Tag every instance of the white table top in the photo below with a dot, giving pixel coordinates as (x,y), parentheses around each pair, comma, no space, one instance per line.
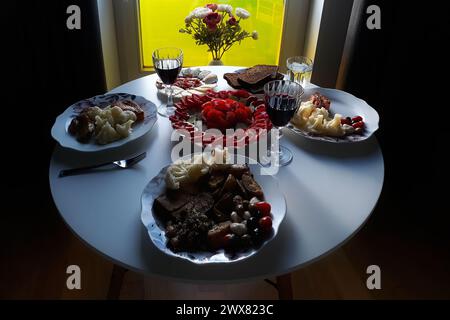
(330,192)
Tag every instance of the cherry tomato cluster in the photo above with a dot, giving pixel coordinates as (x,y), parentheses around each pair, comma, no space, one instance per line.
(222,110)
(256,227)
(356,122)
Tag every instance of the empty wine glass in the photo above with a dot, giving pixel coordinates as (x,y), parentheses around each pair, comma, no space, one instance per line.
(282,100)
(168,62)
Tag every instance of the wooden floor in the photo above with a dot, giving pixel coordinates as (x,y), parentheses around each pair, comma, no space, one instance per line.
(36,257)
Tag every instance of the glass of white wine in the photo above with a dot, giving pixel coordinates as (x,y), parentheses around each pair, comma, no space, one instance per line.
(300,70)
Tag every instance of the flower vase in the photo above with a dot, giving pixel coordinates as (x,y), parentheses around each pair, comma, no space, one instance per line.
(216,62)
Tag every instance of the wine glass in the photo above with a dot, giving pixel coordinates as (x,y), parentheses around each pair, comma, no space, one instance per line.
(300,70)
(282,100)
(168,62)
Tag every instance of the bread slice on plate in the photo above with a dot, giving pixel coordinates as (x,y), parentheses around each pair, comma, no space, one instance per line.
(232,79)
(256,75)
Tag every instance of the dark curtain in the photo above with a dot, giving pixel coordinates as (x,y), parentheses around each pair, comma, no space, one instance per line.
(48,68)
(45,68)
(401,70)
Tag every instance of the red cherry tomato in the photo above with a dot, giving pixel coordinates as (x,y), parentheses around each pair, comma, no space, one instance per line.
(357,119)
(265,224)
(359,124)
(346,121)
(240,93)
(264,208)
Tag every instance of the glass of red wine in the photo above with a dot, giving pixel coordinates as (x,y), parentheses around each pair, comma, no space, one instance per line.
(168,62)
(282,99)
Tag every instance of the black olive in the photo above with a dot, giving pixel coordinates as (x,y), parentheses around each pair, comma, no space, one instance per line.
(257,214)
(256,235)
(252,223)
(349,119)
(232,241)
(246,240)
(245,203)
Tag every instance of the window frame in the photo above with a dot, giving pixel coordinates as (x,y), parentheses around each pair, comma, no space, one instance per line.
(126,14)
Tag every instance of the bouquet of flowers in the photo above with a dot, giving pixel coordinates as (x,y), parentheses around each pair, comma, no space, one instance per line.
(216,26)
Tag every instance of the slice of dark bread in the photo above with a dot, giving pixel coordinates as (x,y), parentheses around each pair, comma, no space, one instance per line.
(256,75)
(260,87)
(232,79)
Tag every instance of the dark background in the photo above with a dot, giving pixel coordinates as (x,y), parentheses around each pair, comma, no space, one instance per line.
(400,70)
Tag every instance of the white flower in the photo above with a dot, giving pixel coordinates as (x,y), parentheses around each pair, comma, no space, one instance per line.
(255,35)
(224,8)
(242,13)
(201,12)
(189,18)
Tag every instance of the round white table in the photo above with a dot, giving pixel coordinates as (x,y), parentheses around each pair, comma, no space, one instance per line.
(330,191)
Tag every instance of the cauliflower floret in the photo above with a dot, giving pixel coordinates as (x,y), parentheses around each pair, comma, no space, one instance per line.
(120,116)
(106,134)
(176,174)
(93,112)
(124,130)
(189,171)
(99,123)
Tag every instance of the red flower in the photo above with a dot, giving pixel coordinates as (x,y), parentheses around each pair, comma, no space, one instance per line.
(212,6)
(232,21)
(211,20)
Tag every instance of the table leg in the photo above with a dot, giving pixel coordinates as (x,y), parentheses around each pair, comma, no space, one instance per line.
(284,287)
(115,284)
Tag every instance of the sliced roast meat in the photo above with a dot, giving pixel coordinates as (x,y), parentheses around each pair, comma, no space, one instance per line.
(217,235)
(251,185)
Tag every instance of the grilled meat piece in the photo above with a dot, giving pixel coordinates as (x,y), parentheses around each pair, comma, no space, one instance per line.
(251,185)
(223,207)
(237,170)
(217,234)
(320,101)
(128,105)
(171,204)
(216,181)
(82,128)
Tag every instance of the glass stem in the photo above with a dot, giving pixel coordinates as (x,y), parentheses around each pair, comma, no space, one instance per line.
(280,135)
(279,151)
(170,97)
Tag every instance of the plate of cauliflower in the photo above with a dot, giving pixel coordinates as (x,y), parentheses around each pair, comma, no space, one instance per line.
(104,122)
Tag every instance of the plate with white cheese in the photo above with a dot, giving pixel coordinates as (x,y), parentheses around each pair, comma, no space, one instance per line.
(335,116)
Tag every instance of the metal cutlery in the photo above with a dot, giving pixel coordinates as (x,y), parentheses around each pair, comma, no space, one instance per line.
(126,163)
